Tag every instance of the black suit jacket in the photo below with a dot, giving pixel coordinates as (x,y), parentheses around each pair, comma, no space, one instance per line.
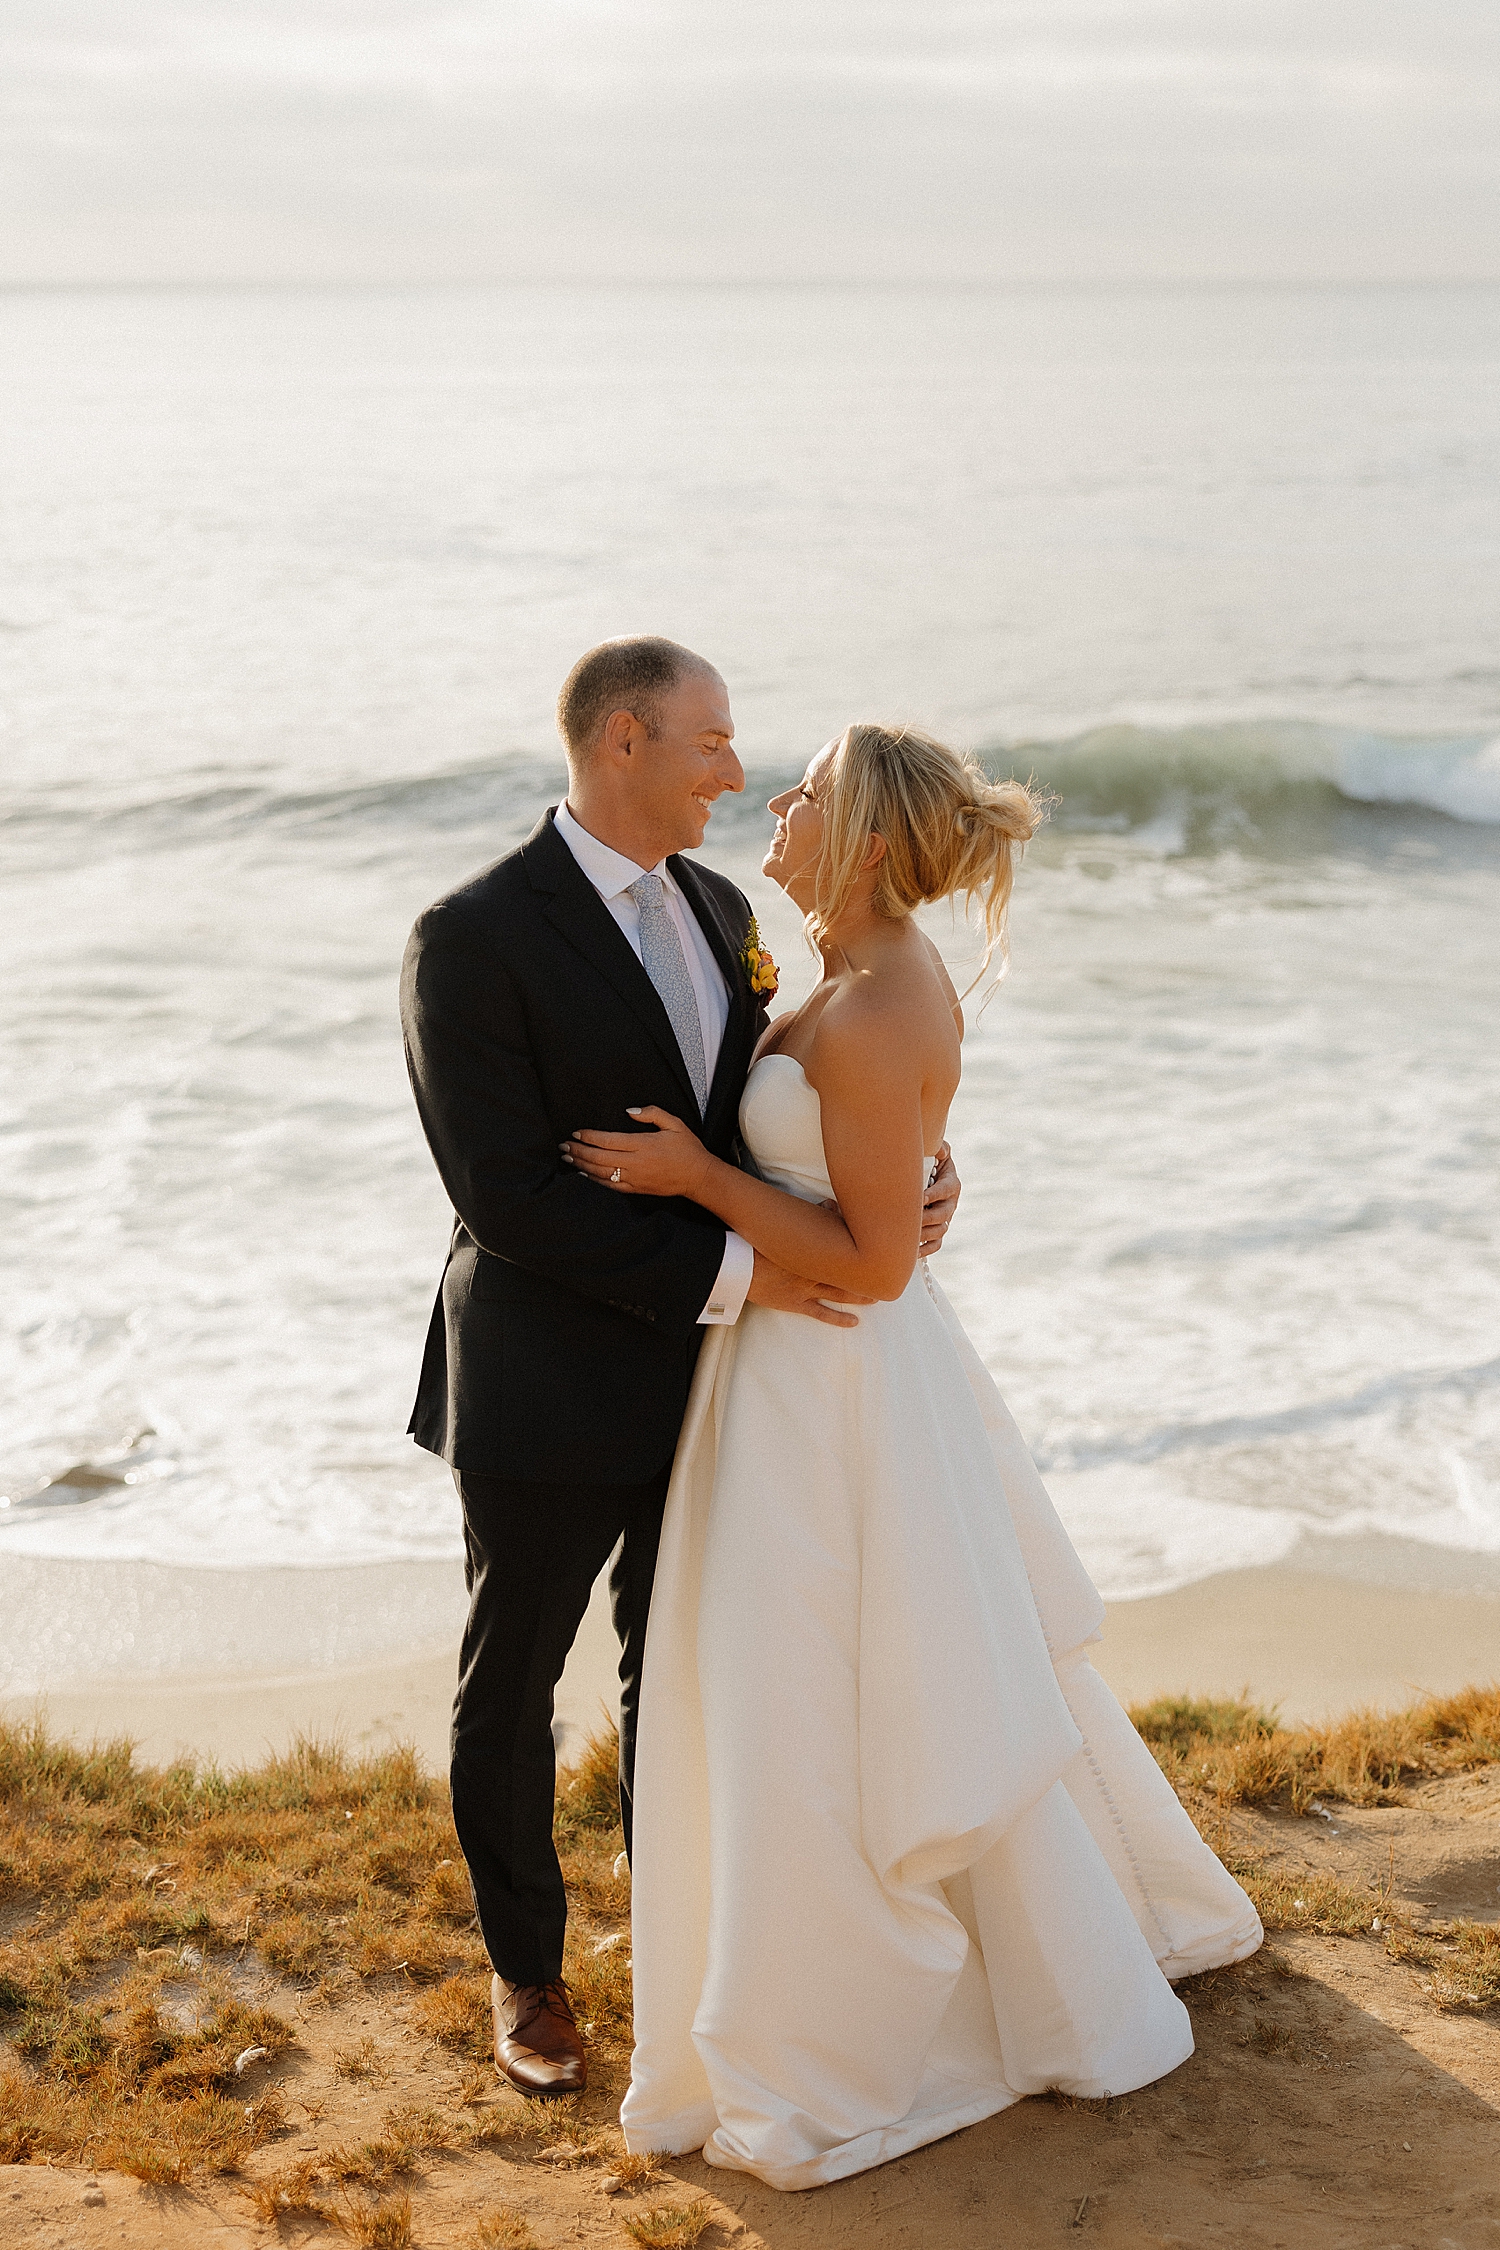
(565,1332)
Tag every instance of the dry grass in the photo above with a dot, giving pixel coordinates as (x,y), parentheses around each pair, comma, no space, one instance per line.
(598,1974)
(493,2126)
(670,2226)
(568,2137)
(384,2225)
(1222,1754)
(456,2013)
(632,2174)
(144,1909)
(131,2089)
(1307,1901)
(314,1861)
(142,1902)
(1464,1959)
(503,2229)
(588,1790)
(290,2192)
(1235,1753)
(347,2184)
(587,1827)
(361,2061)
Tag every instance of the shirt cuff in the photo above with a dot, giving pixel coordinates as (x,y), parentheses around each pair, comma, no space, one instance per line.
(726,1299)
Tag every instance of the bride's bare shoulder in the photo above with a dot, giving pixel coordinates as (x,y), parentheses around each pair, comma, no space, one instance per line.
(900,1020)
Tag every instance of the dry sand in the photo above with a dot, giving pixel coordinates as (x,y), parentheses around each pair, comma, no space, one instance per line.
(341,1623)
(1329,2106)
(1317,1645)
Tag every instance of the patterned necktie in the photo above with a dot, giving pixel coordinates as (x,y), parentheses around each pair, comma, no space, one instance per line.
(662,959)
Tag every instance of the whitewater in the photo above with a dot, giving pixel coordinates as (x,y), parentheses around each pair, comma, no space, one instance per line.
(286,588)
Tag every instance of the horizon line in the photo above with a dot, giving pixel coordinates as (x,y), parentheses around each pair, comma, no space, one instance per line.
(927,285)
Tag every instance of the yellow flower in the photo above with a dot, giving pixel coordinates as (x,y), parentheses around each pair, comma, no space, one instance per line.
(756,961)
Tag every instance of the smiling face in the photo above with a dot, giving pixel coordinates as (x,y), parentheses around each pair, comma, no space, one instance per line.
(797,845)
(678,773)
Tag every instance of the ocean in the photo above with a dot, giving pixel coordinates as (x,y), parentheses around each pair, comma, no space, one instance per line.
(288,584)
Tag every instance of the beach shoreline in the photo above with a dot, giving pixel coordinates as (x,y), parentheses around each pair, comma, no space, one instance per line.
(1309,1643)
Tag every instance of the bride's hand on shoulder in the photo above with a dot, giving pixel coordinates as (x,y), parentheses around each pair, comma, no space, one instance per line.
(670,1161)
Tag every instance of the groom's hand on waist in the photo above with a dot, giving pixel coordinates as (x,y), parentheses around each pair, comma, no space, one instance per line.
(788,1292)
(939,1204)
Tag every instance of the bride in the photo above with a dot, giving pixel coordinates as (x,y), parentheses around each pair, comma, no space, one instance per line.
(899,1856)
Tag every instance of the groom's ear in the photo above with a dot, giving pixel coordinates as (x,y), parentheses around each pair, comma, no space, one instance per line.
(620,736)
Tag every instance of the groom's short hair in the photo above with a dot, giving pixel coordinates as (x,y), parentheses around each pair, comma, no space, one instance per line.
(632,675)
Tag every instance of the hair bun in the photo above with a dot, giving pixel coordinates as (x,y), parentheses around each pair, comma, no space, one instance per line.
(948,829)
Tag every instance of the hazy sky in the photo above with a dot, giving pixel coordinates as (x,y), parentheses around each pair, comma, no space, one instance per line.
(375,139)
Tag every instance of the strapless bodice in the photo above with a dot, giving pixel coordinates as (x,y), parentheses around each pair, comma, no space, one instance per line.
(781,1123)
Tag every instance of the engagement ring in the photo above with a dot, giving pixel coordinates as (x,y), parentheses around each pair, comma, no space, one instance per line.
(614,1175)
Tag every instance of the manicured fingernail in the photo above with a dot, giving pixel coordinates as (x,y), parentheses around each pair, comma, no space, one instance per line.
(629,1112)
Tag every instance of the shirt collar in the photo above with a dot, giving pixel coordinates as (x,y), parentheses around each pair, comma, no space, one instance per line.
(609,871)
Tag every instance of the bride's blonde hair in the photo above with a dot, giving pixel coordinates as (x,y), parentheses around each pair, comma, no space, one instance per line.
(949,831)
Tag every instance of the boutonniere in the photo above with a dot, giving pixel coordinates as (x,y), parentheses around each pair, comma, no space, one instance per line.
(756,961)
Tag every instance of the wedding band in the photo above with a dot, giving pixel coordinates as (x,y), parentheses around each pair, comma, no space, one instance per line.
(614,1175)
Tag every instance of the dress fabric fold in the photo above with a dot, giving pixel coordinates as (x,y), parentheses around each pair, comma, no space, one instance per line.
(899,1856)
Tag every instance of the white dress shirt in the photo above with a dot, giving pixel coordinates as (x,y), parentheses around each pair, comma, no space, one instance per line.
(611,874)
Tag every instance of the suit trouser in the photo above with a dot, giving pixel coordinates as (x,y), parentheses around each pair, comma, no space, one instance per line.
(531,1555)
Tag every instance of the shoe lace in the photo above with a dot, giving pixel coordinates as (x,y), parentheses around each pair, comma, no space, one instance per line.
(551,1999)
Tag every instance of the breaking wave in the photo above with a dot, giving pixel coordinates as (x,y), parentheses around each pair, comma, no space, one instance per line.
(1270,781)
(1278,785)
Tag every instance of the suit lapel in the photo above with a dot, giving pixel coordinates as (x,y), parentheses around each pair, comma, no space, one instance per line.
(575,907)
(711,922)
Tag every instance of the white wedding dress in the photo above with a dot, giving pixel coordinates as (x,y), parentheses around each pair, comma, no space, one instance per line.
(899,1856)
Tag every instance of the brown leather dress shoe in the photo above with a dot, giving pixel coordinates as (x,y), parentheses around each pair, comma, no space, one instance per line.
(536,2039)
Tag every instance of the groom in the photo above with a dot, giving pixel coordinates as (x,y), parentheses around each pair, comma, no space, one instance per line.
(589,971)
